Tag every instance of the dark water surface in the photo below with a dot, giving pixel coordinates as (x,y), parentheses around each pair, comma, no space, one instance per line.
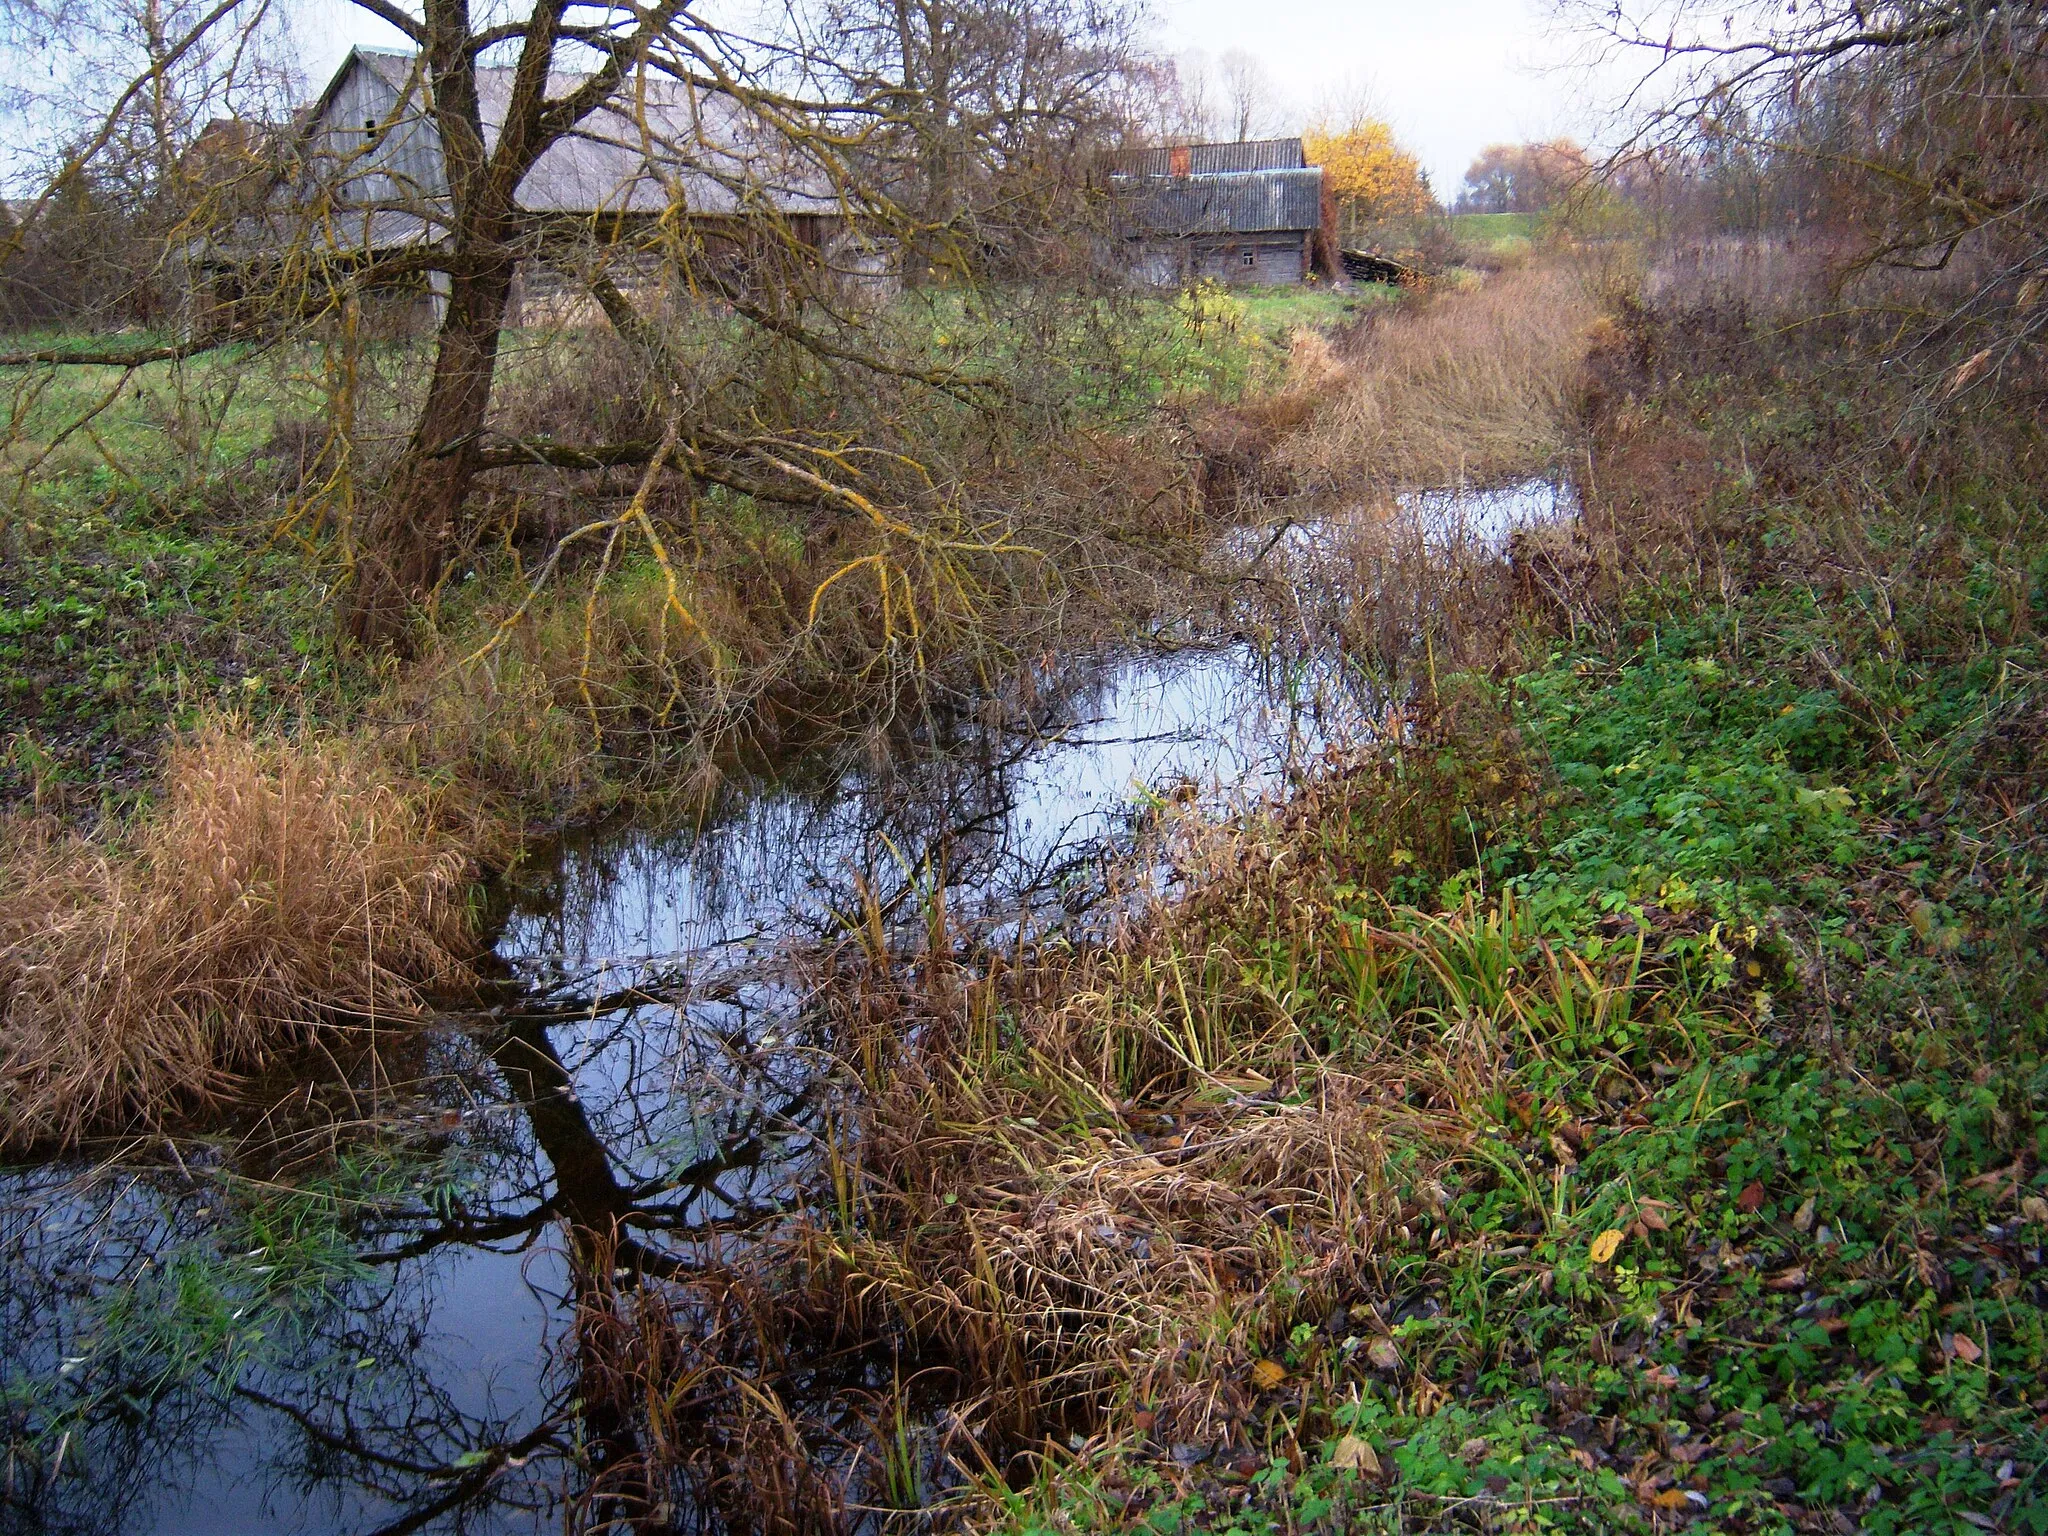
(275,1338)
(401,1328)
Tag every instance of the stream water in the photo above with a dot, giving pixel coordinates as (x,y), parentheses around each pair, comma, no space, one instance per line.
(279,1338)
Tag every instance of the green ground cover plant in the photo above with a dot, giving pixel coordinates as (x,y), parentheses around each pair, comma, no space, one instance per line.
(1497,234)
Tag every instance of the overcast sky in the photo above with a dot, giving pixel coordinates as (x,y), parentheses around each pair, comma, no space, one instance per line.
(1451,75)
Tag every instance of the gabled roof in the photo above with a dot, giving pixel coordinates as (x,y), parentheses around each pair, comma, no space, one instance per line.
(658,142)
(1233,203)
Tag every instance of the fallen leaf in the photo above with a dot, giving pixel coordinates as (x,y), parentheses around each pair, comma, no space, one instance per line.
(1268,1374)
(1751,1197)
(1606,1245)
(1356,1454)
(2009,1174)
(1426,1398)
(1384,1354)
(1651,1214)
(1690,1452)
(1964,1348)
(1473,1450)
(1144,1418)
(2034,1209)
(1584,1458)
(1787,1279)
(1240,1466)
(1802,1219)
(1982,1522)
(1670,1498)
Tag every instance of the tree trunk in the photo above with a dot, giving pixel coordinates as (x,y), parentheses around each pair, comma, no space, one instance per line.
(415,525)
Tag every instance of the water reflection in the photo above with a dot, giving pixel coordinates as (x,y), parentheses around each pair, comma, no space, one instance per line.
(412,1334)
(1008,809)
(402,1343)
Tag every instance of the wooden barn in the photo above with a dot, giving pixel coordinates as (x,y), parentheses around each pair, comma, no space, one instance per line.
(365,180)
(1250,212)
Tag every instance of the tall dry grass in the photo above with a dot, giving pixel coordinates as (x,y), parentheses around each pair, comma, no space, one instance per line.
(279,888)
(1477,384)
(1122,1176)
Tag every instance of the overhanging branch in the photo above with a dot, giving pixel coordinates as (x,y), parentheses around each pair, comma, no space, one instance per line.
(113,357)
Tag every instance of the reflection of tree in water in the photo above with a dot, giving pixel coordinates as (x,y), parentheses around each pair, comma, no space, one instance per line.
(593,1156)
(1011,800)
(322,1387)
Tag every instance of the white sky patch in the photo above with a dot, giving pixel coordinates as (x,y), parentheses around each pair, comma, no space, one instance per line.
(1452,76)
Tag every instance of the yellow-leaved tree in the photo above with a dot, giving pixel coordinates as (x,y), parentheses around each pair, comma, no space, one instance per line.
(1369,174)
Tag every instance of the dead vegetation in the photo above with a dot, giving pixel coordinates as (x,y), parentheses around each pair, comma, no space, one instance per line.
(1475,386)
(1123,1176)
(282,887)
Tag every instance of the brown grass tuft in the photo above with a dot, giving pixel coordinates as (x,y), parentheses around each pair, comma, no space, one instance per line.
(281,886)
(1123,1175)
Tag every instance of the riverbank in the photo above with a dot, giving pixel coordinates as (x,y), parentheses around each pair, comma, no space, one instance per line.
(177,696)
(420,1212)
(1615,1103)
(1595,1080)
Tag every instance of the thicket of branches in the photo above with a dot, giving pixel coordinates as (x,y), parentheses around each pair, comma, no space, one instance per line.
(941,141)
(1911,135)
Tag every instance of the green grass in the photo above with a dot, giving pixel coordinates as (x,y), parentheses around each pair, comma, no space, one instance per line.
(1497,226)
(1779,1340)
(1276,312)
(117,623)
(1497,234)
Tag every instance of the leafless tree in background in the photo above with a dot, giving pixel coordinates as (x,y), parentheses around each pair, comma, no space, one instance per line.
(1915,132)
(1196,99)
(1250,99)
(119,175)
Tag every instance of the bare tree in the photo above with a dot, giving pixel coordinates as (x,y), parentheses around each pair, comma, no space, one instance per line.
(1198,99)
(1916,130)
(1250,100)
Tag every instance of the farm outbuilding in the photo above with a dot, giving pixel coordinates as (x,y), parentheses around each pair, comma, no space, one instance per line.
(363,182)
(1249,212)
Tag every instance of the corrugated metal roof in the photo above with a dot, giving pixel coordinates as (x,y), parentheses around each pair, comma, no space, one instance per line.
(1214,159)
(1240,203)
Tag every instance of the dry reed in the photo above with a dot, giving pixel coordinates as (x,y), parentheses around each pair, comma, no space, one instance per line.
(279,887)
(1123,1176)
(1474,385)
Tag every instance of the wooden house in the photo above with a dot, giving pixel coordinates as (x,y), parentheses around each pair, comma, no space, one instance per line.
(1249,212)
(365,180)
